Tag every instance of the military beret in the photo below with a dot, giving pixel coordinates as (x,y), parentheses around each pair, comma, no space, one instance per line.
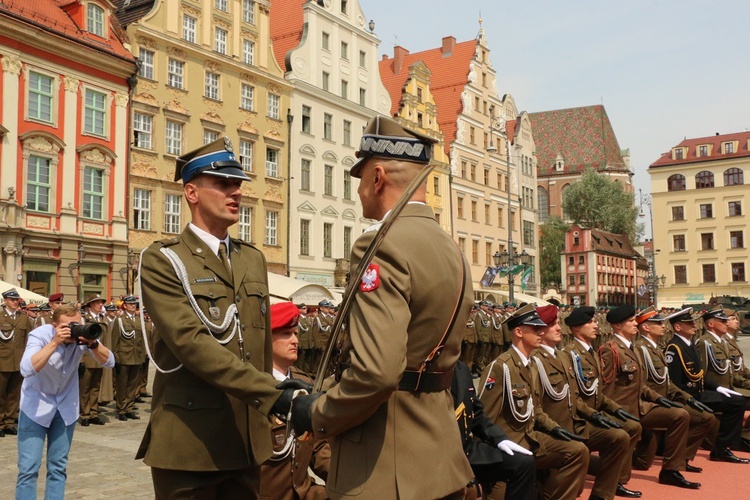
(524,316)
(649,314)
(284,315)
(301,306)
(512,304)
(11,294)
(686,315)
(215,158)
(385,138)
(94,298)
(580,316)
(56,297)
(548,314)
(715,313)
(620,314)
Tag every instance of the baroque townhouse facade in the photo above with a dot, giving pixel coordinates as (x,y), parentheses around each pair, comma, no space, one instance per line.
(330,55)
(206,70)
(64,116)
(699,200)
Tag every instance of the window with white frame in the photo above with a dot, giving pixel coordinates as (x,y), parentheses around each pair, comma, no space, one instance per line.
(40,97)
(347,241)
(142,130)
(172,205)
(327,239)
(344,5)
(347,133)
(93,193)
(325,41)
(327,126)
(38,184)
(212,86)
(175,73)
(325,82)
(209,136)
(245,225)
(221,5)
(304,237)
(272,162)
(328,180)
(247,97)
(188,28)
(306,117)
(347,185)
(248,11)
(95,20)
(220,40)
(173,135)
(142,209)
(248,52)
(344,51)
(344,89)
(362,97)
(273,106)
(272,220)
(246,155)
(362,59)
(146,58)
(305,175)
(95,113)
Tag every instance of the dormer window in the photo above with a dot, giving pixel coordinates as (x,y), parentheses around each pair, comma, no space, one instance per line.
(678,154)
(702,151)
(728,148)
(95,20)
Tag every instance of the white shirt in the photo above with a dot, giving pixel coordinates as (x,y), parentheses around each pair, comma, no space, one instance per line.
(524,359)
(585,346)
(549,349)
(718,339)
(626,342)
(280,376)
(653,344)
(210,240)
(685,339)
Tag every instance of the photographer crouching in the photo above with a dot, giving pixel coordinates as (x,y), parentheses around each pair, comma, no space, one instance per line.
(49,397)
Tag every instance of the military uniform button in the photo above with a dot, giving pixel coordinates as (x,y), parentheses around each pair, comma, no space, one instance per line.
(256,403)
(248,355)
(190,403)
(237,298)
(322,430)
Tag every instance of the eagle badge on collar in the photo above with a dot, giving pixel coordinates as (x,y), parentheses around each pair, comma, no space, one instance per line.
(370,279)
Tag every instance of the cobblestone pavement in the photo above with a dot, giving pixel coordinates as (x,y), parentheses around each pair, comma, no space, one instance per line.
(101,462)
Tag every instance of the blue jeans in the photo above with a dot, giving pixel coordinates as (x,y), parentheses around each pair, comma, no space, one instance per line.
(30,447)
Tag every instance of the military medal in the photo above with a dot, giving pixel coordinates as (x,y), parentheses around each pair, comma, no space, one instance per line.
(215,313)
(370,278)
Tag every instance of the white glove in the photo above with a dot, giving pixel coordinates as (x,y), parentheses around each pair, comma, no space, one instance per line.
(509,447)
(727,392)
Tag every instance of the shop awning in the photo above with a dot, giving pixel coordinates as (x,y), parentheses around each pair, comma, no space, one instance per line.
(28,296)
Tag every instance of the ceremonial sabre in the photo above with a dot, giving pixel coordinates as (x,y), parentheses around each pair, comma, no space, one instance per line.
(354,279)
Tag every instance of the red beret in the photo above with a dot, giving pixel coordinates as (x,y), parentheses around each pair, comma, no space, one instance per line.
(548,314)
(55,297)
(284,315)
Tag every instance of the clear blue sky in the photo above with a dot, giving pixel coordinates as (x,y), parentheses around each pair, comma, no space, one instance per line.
(664,69)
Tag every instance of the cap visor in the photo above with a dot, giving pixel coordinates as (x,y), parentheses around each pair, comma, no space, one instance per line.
(228,173)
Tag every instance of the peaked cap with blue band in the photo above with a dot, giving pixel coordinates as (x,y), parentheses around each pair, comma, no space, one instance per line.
(385,138)
(215,158)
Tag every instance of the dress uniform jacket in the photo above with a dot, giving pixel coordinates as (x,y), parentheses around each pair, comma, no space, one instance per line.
(469,344)
(740,373)
(715,360)
(128,351)
(305,332)
(483,322)
(588,367)
(285,476)
(386,442)
(211,414)
(14,330)
(322,330)
(88,360)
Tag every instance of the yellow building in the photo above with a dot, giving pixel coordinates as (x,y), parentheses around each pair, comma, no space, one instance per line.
(699,229)
(207,70)
(414,106)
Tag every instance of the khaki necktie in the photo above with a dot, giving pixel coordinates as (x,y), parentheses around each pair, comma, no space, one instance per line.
(224,258)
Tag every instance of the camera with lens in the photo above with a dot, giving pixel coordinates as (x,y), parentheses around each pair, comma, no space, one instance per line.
(89,331)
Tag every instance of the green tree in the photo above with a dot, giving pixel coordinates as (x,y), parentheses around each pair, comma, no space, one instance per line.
(552,244)
(597,202)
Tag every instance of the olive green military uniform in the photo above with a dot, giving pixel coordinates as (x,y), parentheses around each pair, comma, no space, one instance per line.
(143,376)
(212,392)
(483,326)
(89,383)
(127,346)
(14,330)
(715,360)
(321,332)
(497,340)
(469,344)
(306,352)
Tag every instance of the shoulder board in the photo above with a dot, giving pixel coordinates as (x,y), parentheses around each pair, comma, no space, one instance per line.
(168,241)
(238,241)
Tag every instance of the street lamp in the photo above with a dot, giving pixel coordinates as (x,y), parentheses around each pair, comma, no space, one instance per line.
(507,259)
(499,125)
(645,199)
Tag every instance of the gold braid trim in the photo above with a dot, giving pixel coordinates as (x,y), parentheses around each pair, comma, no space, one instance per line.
(693,377)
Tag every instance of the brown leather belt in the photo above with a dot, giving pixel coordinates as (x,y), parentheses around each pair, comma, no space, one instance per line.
(428,382)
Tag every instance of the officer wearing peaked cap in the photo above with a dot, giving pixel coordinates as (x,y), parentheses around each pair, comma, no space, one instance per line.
(207,295)
(127,346)
(90,380)
(396,321)
(14,330)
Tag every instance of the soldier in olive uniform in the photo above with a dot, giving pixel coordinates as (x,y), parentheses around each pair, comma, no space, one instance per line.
(304,332)
(483,326)
(107,387)
(702,421)
(469,344)
(321,331)
(510,392)
(127,345)
(208,297)
(390,419)
(740,372)
(285,475)
(14,330)
(497,340)
(89,383)
(625,381)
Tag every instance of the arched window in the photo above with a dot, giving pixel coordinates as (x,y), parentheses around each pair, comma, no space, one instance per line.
(733,177)
(704,180)
(676,182)
(543,203)
(95,20)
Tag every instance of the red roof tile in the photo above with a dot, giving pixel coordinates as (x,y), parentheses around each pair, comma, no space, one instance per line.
(584,136)
(510,130)
(450,73)
(49,16)
(286,28)
(133,11)
(716,152)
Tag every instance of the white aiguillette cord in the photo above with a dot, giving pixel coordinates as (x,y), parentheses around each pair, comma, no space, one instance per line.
(289,430)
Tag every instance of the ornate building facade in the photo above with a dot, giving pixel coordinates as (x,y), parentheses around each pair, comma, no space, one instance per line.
(64,117)
(330,56)
(206,70)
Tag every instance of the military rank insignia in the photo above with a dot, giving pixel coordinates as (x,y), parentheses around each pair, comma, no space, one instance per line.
(370,279)
(669,358)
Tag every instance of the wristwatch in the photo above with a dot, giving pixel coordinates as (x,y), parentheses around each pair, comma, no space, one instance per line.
(94,345)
